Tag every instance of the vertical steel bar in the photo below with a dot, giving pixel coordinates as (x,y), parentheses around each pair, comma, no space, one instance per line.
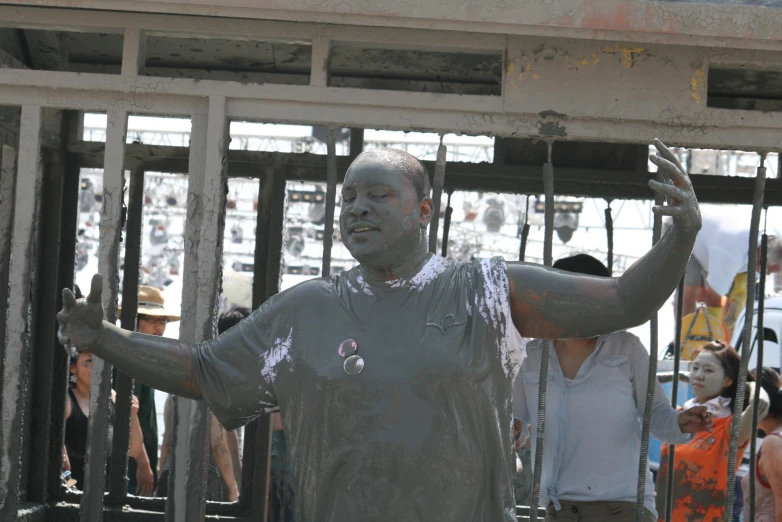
(524,234)
(437,194)
(753,446)
(118,483)
(262,442)
(609,238)
(677,357)
(548,188)
(356,142)
(651,377)
(108,266)
(447,224)
(757,206)
(18,315)
(331,202)
(183,408)
(7,185)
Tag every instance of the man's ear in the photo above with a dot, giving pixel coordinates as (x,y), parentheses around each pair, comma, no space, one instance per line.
(425,209)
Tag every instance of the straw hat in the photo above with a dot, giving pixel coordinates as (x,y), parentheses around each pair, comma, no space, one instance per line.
(151,302)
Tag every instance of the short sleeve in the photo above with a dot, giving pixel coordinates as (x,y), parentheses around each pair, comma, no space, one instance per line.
(236,371)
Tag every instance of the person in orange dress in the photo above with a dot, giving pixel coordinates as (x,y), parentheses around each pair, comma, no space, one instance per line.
(701,466)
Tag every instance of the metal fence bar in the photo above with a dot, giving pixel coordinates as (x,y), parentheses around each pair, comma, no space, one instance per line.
(262,443)
(609,238)
(108,266)
(757,206)
(331,201)
(753,446)
(437,194)
(677,357)
(7,197)
(19,330)
(118,483)
(548,183)
(48,382)
(651,378)
(180,444)
(524,234)
(447,224)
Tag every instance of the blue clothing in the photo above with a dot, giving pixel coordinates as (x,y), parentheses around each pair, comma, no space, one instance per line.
(593,433)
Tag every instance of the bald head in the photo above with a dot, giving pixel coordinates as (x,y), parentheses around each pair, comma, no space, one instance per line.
(408,165)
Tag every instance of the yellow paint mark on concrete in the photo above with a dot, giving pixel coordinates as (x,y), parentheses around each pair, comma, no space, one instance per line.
(511,67)
(535,76)
(697,84)
(527,68)
(628,54)
(595,59)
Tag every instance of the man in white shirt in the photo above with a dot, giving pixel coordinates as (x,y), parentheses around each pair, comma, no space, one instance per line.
(718,257)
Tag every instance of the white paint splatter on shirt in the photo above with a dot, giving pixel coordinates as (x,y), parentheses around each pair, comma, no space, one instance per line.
(280,351)
(364,286)
(428,273)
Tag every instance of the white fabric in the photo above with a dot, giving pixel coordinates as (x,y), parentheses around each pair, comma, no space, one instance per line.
(722,245)
(718,406)
(593,430)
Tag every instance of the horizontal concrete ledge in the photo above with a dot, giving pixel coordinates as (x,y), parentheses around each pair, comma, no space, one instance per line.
(654,21)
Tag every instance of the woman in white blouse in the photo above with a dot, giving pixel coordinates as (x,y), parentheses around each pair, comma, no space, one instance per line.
(595,397)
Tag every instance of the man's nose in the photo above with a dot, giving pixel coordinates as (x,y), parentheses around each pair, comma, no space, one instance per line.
(359,207)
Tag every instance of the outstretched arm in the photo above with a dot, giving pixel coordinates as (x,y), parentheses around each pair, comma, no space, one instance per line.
(163,364)
(550,304)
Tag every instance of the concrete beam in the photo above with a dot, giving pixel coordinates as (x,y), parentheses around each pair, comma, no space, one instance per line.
(572,18)
(134,52)
(46,49)
(674,110)
(19,330)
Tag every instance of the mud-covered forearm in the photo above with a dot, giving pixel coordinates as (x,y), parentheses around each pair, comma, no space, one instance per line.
(161,363)
(647,284)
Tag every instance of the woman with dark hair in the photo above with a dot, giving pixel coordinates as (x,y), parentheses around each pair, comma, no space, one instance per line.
(768,469)
(701,466)
(596,396)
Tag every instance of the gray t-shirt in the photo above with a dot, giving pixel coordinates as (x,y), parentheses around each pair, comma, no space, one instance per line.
(423,433)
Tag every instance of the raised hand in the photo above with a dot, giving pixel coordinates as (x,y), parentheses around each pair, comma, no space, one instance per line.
(674,183)
(81,320)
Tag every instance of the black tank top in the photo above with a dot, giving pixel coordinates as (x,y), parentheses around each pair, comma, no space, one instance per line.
(76,439)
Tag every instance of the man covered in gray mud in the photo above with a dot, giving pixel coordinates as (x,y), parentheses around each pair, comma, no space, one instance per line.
(394,378)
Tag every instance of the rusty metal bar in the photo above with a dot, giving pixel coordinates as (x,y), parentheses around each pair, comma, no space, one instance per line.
(331,202)
(757,206)
(262,442)
(7,197)
(18,335)
(56,265)
(437,194)
(524,234)
(356,142)
(753,445)
(609,238)
(548,182)
(180,443)
(651,376)
(447,224)
(118,483)
(677,357)
(108,261)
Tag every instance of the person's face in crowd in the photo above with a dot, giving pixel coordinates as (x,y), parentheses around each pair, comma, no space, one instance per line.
(152,324)
(382,219)
(82,368)
(707,377)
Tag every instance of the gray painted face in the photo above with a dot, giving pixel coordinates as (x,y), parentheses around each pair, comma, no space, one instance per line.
(382,221)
